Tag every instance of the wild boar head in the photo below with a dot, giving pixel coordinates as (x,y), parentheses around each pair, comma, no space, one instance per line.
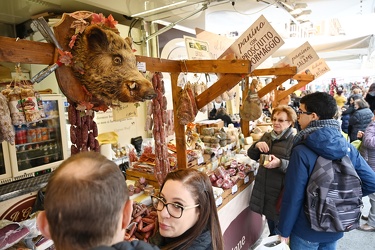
(106,65)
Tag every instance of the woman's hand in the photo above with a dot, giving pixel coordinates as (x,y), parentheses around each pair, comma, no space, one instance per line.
(360,134)
(282,239)
(262,146)
(273,163)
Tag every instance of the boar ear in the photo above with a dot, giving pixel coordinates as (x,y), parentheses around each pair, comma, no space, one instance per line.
(97,39)
(129,42)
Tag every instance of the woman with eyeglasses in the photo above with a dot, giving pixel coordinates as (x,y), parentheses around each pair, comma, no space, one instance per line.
(187,213)
(275,146)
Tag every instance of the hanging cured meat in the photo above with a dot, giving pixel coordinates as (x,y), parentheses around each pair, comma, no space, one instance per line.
(251,107)
(159,112)
(187,106)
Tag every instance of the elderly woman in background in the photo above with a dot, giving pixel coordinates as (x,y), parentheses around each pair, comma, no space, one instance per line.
(269,180)
(359,119)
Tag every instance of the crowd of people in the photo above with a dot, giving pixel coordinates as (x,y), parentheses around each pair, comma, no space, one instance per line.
(87,205)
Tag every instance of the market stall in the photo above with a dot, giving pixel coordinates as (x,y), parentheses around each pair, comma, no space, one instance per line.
(232,71)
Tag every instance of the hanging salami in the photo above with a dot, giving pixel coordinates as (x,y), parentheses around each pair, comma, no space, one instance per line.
(251,108)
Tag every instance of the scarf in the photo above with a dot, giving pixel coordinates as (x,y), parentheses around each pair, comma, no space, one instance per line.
(313,126)
(275,136)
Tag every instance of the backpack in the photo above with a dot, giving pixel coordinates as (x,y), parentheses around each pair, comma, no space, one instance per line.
(334,196)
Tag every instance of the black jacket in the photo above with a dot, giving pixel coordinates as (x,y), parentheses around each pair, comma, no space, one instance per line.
(269,182)
(370,98)
(202,242)
(125,245)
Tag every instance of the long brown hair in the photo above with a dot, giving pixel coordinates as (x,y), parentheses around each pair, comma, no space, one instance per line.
(84,200)
(200,187)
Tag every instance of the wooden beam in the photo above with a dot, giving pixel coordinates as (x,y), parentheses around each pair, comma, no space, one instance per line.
(273,85)
(225,82)
(25,51)
(295,87)
(286,71)
(178,128)
(216,66)
(160,65)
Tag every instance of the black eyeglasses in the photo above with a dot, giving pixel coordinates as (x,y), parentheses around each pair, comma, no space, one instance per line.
(279,120)
(300,112)
(175,210)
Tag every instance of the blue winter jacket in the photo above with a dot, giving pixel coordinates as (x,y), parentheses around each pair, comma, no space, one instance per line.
(329,143)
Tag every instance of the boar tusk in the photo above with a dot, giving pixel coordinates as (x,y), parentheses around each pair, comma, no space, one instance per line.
(133,85)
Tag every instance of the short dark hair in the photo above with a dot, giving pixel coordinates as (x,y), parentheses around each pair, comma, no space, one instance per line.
(83,207)
(199,185)
(320,103)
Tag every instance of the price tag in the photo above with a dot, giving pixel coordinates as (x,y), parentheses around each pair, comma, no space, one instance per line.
(200,160)
(215,164)
(220,151)
(219,201)
(141,66)
(247,179)
(234,189)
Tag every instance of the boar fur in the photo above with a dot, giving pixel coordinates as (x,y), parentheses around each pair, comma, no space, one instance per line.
(106,65)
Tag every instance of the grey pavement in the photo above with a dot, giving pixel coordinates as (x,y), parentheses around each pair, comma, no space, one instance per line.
(352,240)
(357,239)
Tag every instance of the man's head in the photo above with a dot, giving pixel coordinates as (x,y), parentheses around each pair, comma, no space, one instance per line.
(86,203)
(316,106)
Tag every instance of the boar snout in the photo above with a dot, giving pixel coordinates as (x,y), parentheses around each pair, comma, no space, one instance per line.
(150,95)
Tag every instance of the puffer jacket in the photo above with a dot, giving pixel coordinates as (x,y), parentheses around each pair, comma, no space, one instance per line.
(358,121)
(329,143)
(367,148)
(132,245)
(269,182)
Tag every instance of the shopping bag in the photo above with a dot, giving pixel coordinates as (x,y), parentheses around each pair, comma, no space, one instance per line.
(356,144)
(272,242)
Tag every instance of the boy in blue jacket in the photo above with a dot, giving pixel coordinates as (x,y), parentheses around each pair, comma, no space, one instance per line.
(322,137)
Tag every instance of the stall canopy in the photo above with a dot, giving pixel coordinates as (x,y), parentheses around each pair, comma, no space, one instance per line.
(335,48)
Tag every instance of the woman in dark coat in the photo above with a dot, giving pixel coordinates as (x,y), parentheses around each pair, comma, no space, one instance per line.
(370,97)
(269,180)
(345,115)
(359,119)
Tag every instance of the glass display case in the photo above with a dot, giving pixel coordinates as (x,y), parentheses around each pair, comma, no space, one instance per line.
(40,146)
(5,169)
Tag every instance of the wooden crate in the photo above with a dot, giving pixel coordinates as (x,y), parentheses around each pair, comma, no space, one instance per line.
(135,175)
(208,124)
(227,196)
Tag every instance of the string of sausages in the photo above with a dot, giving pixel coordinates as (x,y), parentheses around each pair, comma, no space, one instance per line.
(83,130)
(159,111)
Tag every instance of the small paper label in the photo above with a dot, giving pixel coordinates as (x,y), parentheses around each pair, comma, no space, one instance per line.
(234,189)
(141,66)
(200,160)
(219,201)
(247,179)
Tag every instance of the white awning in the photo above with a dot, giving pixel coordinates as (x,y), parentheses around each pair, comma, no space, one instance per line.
(335,48)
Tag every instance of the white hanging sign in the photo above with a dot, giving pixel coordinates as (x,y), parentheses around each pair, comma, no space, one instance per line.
(256,44)
(302,57)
